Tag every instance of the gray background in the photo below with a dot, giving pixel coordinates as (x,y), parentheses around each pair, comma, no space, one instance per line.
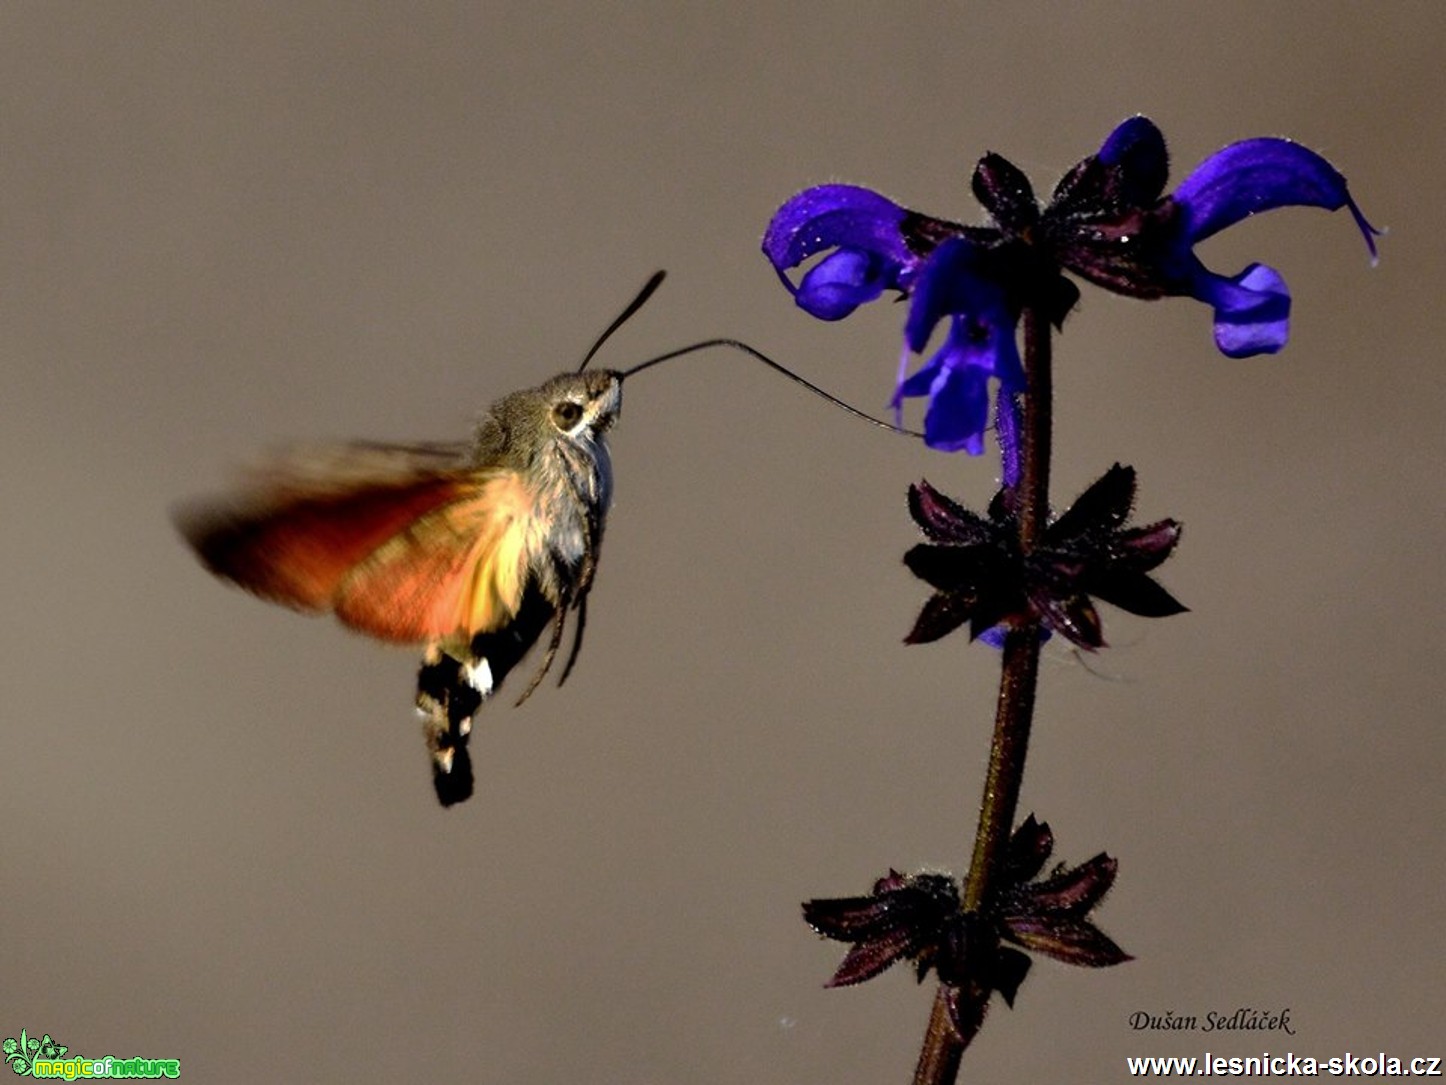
(228,227)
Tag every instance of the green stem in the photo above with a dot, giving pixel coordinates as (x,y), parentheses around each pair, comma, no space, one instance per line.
(943,1046)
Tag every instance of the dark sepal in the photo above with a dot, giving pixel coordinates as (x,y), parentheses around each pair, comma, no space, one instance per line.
(945,520)
(979,573)
(1130,175)
(1059,296)
(865,960)
(1010,968)
(1103,507)
(1073,617)
(1001,601)
(941,614)
(1072,941)
(905,917)
(960,568)
(1136,593)
(1029,849)
(1141,549)
(1088,552)
(1124,252)
(1052,916)
(1005,192)
(922,234)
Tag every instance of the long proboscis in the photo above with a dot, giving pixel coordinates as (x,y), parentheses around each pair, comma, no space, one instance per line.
(651,286)
(753,352)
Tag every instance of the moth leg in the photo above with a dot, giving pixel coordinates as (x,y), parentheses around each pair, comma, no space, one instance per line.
(592,547)
(592,531)
(577,629)
(449,692)
(559,620)
(499,651)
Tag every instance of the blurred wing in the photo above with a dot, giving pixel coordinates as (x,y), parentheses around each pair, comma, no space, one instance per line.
(402,542)
(457,571)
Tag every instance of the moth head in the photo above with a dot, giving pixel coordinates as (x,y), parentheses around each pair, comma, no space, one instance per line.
(575,408)
(581,406)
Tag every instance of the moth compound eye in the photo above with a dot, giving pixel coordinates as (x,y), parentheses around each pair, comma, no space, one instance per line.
(566,414)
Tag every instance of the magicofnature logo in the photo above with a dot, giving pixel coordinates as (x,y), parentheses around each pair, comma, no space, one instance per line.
(44,1058)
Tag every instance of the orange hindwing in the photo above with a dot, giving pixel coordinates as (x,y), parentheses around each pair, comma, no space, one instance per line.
(402,544)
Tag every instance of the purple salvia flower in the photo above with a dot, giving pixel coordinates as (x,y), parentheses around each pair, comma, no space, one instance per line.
(1252,309)
(865,230)
(1107,222)
(980,344)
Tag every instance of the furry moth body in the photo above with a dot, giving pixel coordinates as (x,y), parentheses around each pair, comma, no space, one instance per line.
(472,550)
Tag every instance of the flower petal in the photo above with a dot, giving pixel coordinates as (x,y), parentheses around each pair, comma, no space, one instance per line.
(995,634)
(955,282)
(1257,175)
(841,282)
(921,383)
(958,410)
(862,224)
(1252,310)
(980,344)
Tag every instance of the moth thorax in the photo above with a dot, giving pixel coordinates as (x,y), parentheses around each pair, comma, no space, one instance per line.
(573,486)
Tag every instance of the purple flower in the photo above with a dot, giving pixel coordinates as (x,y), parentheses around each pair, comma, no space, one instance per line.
(878,246)
(1107,222)
(864,229)
(956,284)
(1145,245)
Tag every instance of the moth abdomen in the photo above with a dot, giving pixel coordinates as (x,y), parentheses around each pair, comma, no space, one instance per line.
(451,690)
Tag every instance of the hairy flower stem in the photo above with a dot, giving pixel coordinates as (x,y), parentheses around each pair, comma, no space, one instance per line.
(943,1046)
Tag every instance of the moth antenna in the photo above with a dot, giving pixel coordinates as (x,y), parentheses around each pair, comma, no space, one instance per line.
(633,306)
(753,352)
